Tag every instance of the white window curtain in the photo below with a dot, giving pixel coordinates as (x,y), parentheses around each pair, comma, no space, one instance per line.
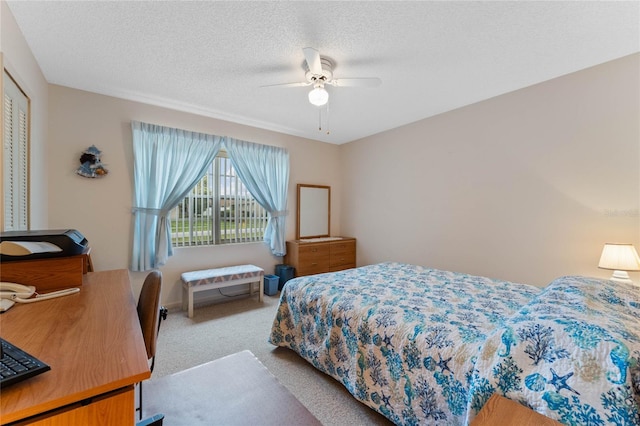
(167,164)
(264,170)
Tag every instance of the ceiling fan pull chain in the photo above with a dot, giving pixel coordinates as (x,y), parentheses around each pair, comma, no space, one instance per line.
(327,119)
(319,119)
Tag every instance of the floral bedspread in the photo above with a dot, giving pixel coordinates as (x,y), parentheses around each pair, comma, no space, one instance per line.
(571,354)
(424,346)
(401,338)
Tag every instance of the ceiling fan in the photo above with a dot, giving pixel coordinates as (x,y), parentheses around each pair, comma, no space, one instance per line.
(320,72)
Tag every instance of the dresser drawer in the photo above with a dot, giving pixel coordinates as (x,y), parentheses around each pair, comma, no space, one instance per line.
(343,253)
(313,259)
(342,267)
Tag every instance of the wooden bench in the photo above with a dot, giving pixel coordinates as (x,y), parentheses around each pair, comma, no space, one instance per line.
(207,279)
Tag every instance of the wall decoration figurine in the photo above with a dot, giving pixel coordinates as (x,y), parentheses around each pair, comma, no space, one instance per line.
(90,164)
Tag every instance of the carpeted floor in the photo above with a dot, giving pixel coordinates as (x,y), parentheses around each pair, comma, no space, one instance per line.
(233,326)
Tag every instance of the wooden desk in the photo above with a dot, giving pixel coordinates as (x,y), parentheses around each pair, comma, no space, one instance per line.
(92,341)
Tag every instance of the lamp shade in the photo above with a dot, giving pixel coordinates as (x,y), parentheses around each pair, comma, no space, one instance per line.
(318,96)
(619,257)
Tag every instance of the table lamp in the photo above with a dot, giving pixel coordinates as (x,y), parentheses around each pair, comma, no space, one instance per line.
(620,258)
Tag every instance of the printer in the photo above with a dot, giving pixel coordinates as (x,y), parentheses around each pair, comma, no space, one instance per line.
(70,241)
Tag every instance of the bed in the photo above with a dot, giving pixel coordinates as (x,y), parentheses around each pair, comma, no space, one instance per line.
(424,346)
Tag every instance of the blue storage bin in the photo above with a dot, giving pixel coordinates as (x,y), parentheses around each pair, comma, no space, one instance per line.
(271,284)
(285,273)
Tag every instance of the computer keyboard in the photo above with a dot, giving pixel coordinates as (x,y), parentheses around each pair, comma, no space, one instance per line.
(16,365)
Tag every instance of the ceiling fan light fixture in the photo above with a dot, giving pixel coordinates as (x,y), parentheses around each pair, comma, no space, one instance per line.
(318,96)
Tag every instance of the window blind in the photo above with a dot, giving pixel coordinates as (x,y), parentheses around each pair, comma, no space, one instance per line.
(15,157)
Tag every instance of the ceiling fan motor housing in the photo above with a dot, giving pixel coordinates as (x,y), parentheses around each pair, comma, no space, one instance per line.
(327,72)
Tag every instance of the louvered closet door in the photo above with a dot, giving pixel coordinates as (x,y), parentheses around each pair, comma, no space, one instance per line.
(15,156)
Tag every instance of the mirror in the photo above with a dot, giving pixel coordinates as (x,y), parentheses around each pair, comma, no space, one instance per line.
(314,211)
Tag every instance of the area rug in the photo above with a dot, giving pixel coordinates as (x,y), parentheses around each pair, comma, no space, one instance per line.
(234,390)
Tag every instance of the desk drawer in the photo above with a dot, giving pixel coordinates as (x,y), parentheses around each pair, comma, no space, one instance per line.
(45,274)
(114,408)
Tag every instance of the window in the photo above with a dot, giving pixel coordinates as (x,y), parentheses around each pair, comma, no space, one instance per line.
(169,163)
(218,210)
(15,174)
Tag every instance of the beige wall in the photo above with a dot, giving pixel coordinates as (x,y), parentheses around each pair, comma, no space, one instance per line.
(64,122)
(526,186)
(101,208)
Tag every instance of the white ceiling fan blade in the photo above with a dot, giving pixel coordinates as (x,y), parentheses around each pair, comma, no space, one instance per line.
(312,56)
(356,82)
(300,84)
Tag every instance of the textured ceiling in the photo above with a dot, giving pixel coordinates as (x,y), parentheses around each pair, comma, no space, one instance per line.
(212,57)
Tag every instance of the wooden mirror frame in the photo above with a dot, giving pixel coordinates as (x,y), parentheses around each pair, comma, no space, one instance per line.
(311,221)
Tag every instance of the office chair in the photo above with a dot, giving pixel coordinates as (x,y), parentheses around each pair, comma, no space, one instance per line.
(150,314)
(152,421)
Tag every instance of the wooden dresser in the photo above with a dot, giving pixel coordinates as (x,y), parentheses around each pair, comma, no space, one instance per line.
(316,257)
